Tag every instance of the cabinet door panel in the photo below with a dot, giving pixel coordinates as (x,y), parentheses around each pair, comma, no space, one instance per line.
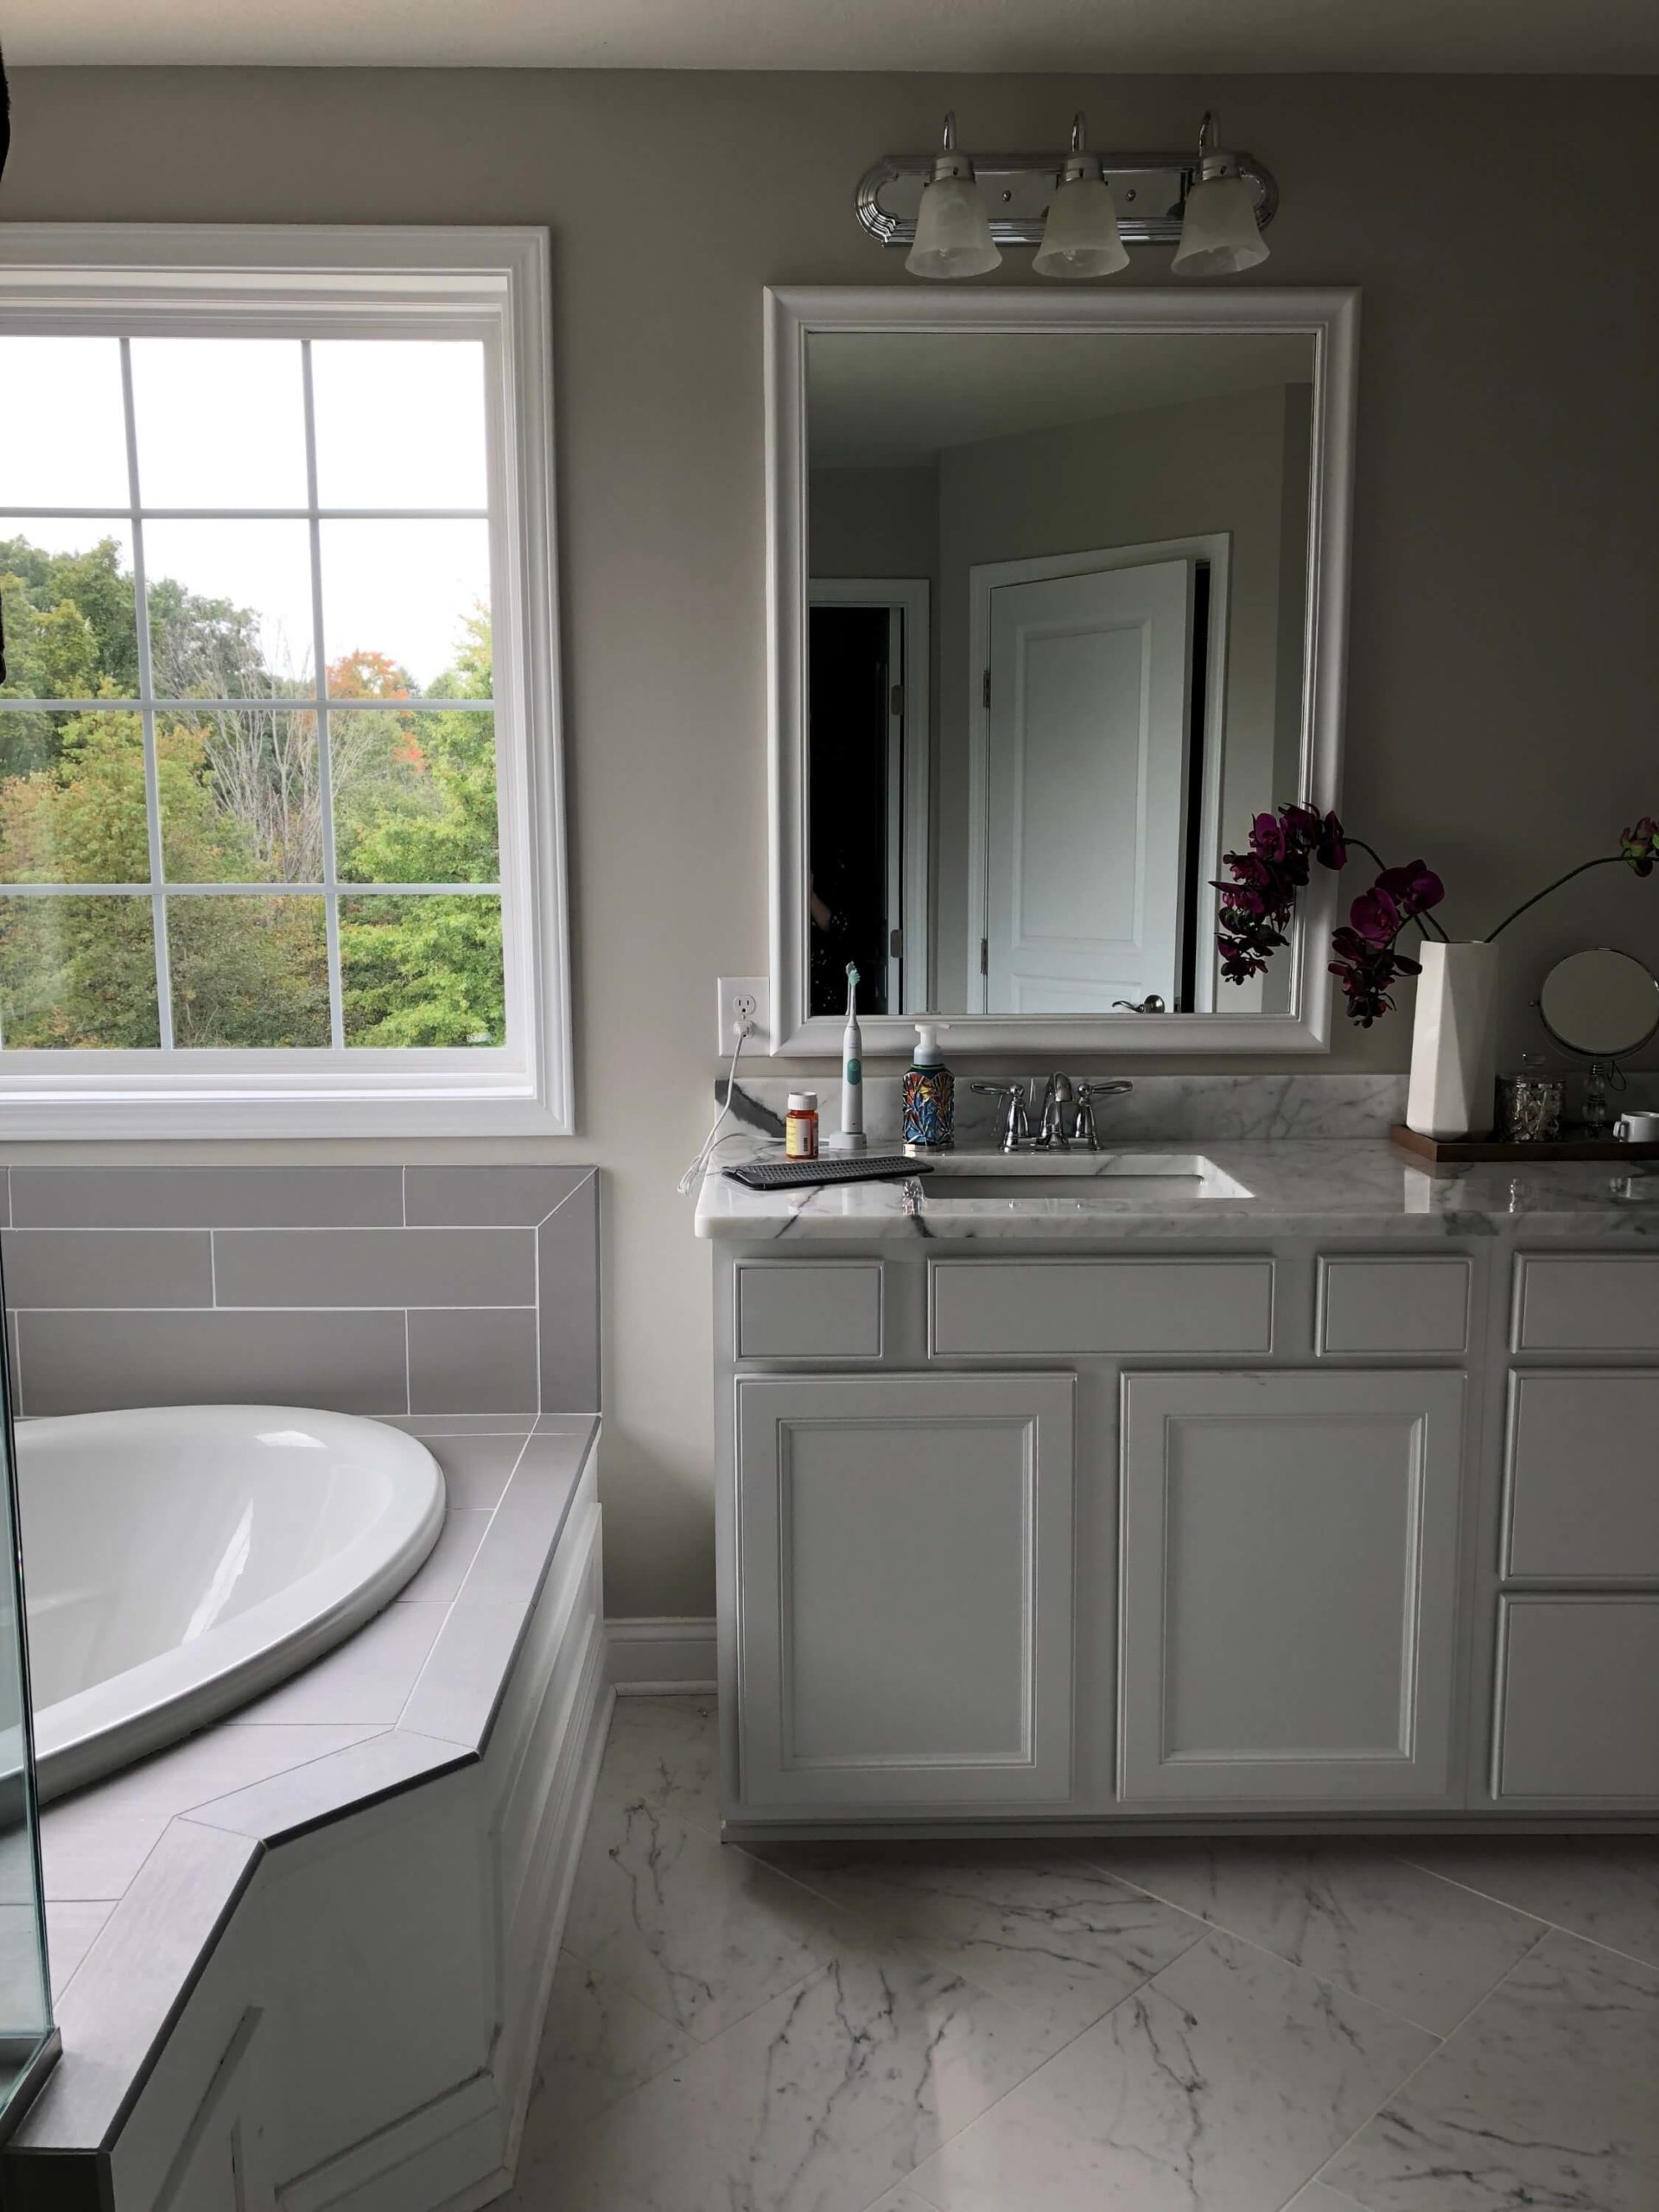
(1289,1586)
(905,1590)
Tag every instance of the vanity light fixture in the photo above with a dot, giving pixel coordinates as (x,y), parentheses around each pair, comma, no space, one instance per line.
(956,213)
(1219,235)
(953,233)
(1081,237)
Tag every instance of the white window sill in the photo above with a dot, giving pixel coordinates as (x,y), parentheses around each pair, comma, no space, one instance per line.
(109,1105)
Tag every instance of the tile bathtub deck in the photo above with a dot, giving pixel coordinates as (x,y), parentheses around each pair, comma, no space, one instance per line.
(1226,2027)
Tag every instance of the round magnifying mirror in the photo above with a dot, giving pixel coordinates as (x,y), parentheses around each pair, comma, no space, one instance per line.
(1602,1003)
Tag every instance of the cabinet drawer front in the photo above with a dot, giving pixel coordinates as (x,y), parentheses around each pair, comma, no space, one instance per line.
(1586,1304)
(1577,1713)
(1059,1307)
(793,1309)
(1582,1489)
(1393,1305)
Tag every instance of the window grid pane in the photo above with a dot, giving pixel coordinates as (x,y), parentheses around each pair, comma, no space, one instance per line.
(146,692)
(316,705)
(325,770)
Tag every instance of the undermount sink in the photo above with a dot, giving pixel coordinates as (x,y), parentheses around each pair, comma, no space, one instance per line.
(1082,1180)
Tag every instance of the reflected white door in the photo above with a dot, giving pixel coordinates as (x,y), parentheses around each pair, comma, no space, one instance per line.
(1085,789)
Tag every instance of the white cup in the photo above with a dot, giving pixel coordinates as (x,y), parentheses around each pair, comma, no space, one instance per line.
(1638,1128)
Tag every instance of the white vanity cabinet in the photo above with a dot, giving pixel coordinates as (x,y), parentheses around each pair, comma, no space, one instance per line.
(1088,1535)
(904,1636)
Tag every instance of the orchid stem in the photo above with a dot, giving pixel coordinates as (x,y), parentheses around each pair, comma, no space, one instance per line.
(1602,860)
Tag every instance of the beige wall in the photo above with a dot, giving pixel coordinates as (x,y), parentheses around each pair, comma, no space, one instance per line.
(1505,656)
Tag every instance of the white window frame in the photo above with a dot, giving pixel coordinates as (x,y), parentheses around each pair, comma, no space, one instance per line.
(132,279)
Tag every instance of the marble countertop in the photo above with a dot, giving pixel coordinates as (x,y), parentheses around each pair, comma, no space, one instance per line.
(1361,1186)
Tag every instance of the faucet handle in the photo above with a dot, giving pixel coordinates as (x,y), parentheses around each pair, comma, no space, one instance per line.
(1083,1131)
(1014,1098)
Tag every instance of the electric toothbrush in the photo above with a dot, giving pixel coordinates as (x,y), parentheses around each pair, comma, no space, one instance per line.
(850,1137)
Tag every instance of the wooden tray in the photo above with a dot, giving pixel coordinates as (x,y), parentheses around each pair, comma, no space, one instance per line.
(1471,1151)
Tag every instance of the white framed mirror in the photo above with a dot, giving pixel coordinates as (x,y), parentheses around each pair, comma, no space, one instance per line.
(1057,591)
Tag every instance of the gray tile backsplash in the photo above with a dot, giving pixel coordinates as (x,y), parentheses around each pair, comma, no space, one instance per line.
(77,1363)
(420,1294)
(568,1249)
(375,1267)
(206,1198)
(463,1361)
(109,1267)
(481,1197)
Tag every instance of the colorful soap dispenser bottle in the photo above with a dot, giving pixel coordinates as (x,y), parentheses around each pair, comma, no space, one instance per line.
(929,1095)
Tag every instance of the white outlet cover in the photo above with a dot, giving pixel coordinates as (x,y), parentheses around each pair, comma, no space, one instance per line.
(732,987)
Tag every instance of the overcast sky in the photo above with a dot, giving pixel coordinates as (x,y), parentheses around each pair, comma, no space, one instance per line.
(220,422)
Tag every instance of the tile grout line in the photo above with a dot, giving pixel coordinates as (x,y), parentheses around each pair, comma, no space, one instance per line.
(1203,1928)
(1326,1982)
(1550,1927)
(1427,2059)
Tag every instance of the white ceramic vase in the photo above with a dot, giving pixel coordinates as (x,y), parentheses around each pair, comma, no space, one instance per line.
(1454,1043)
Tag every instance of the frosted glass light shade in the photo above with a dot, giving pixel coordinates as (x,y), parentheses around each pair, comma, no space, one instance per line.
(1080,238)
(953,233)
(1218,231)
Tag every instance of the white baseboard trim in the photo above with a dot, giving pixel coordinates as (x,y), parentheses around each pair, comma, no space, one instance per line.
(664,1656)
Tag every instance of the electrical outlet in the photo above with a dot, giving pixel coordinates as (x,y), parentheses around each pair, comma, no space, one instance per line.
(743,998)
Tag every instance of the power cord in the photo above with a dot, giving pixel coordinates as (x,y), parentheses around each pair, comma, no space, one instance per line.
(693,1174)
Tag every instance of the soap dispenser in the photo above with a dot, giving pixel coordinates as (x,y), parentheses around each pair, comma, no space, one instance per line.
(929,1095)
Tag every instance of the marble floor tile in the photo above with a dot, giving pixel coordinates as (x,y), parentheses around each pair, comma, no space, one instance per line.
(598,2043)
(903,2199)
(1546,2095)
(663,1754)
(1044,1929)
(1222,2085)
(1316,2197)
(820,2102)
(1350,1914)
(1606,1890)
(697,1930)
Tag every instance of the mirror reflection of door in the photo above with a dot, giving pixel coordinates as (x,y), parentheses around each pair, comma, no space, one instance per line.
(866,825)
(1083,766)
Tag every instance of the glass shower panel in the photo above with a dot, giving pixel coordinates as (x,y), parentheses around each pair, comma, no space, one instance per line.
(28,2039)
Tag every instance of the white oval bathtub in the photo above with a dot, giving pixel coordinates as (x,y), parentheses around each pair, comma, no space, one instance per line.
(180,1559)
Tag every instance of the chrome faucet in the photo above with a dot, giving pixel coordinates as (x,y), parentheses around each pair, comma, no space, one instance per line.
(1057,1096)
(1016,1129)
(1057,1129)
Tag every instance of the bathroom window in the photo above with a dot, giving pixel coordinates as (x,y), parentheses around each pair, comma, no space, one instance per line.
(280,850)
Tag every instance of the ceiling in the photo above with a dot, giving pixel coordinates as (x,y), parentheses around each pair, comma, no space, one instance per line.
(1070,35)
(894,399)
